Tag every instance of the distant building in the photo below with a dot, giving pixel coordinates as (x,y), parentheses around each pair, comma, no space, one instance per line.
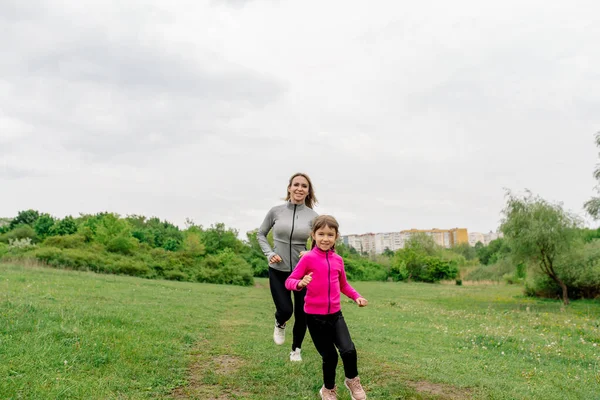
(484,238)
(476,237)
(376,243)
(443,237)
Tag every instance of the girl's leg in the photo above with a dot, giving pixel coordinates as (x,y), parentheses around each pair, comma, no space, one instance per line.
(299,320)
(281,296)
(346,347)
(321,332)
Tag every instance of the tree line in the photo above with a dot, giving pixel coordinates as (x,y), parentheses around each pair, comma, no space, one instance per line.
(154,248)
(545,247)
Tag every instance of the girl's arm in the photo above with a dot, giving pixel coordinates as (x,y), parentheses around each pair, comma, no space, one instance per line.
(345,287)
(291,283)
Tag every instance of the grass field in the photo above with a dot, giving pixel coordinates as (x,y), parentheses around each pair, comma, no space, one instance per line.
(77,335)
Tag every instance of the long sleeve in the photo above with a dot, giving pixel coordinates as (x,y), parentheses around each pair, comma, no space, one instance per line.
(291,283)
(345,287)
(262,233)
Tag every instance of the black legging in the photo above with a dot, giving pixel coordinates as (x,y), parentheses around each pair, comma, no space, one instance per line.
(328,332)
(284,307)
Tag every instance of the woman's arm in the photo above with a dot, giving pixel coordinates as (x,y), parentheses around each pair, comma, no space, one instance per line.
(262,233)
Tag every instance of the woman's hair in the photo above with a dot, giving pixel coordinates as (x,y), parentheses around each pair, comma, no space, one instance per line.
(311,200)
(324,221)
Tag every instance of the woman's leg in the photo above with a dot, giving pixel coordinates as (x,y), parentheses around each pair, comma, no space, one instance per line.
(299,320)
(281,296)
(321,332)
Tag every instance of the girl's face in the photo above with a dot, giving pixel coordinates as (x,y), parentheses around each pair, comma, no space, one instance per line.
(325,237)
(298,190)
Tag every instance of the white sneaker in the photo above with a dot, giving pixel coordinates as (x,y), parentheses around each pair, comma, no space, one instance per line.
(279,334)
(295,355)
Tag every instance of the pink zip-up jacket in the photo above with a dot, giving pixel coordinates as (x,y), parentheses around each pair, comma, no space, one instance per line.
(328,280)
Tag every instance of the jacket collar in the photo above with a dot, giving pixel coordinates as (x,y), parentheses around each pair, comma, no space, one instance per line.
(299,207)
(321,252)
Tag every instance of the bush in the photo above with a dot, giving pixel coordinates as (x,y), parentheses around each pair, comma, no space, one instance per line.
(434,270)
(65,242)
(20,243)
(361,269)
(128,266)
(77,259)
(3,249)
(20,232)
(176,275)
(258,263)
(494,272)
(398,271)
(225,267)
(172,245)
(122,244)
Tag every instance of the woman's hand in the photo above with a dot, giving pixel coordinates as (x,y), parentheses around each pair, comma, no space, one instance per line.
(305,281)
(362,302)
(302,253)
(275,259)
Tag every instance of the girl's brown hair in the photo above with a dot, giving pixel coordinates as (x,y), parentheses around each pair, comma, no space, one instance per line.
(311,200)
(324,221)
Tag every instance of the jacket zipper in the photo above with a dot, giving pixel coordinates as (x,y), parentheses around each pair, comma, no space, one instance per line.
(291,233)
(329,283)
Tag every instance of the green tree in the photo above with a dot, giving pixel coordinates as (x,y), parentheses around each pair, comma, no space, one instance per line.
(592,206)
(422,243)
(494,251)
(44,225)
(192,244)
(539,232)
(27,217)
(387,252)
(218,238)
(466,250)
(66,226)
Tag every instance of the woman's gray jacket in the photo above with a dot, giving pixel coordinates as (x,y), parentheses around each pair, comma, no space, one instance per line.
(291,224)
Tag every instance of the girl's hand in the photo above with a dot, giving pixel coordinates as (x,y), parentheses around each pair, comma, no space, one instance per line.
(302,253)
(305,281)
(362,302)
(275,259)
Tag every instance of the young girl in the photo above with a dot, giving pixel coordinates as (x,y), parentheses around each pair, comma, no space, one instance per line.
(321,272)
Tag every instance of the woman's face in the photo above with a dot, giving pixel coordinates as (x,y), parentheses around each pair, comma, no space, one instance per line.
(298,190)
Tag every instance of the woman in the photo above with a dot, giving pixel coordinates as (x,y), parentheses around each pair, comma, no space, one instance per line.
(291,224)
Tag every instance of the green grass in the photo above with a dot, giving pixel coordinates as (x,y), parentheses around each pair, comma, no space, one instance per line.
(78,335)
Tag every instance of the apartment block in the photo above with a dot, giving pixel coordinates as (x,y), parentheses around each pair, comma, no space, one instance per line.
(475,237)
(484,238)
(376,243)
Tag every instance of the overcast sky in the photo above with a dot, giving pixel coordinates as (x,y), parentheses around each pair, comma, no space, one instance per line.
(404,114)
